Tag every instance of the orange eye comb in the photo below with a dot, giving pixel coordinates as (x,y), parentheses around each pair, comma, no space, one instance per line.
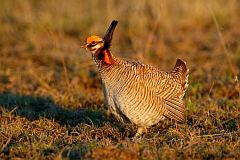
(92,39)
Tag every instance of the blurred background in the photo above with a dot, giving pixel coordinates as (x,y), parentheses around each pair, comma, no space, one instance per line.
(40,54)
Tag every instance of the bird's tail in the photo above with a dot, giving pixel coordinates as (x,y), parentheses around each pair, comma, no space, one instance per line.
(181,72)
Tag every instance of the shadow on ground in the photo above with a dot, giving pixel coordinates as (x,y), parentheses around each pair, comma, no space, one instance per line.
(33,108)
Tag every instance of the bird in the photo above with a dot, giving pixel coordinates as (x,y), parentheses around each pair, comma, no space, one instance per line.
(138,93)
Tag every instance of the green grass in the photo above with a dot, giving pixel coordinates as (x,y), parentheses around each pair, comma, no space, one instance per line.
(51,101)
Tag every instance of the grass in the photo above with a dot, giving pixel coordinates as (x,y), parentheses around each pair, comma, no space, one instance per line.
(51,102)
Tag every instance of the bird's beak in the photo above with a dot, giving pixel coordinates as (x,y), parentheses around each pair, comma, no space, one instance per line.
(84,46)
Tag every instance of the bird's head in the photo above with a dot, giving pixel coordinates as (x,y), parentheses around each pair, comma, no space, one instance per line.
(100,46)
(94,44)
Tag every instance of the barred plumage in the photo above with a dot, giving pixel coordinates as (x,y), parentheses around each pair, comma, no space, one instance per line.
(135,92)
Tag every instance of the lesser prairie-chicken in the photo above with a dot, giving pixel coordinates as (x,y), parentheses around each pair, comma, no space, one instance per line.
(135,92)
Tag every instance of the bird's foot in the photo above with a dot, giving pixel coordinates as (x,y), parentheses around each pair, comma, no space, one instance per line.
(140,132)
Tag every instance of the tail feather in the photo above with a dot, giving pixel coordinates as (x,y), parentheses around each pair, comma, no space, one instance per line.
(181,72)
(180,66)
(175,105)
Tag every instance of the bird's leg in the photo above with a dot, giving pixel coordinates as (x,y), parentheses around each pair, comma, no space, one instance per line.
(141,131)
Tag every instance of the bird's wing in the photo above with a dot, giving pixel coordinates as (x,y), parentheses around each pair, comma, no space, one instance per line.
(169,89)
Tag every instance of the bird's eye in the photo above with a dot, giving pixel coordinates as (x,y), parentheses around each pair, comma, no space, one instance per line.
(93,43)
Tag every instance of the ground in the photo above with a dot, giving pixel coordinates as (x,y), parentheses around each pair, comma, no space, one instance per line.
(51,101)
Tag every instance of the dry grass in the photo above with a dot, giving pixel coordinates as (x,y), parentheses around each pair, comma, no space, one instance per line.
(51,104)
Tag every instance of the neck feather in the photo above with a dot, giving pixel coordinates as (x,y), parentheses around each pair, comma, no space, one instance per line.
(103,57)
